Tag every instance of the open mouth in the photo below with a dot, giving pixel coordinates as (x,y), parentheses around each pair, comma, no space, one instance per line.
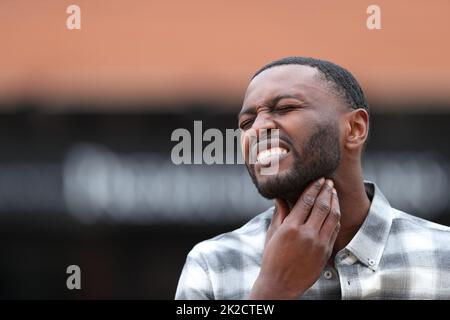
(270,155)
(269,151)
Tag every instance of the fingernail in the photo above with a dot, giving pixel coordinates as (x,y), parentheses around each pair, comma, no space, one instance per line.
(330,183)
(321,180)
(334,192)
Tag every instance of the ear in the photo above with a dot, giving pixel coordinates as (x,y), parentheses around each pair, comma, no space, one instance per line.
(357,129)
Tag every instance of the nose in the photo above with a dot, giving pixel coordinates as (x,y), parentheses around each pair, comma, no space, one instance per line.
(261,129)
(263,121)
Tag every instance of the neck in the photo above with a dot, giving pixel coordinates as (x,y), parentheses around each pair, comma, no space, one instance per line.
(354,205)
(353,202)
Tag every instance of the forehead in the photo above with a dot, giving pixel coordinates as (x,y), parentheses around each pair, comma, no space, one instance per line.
(293,79)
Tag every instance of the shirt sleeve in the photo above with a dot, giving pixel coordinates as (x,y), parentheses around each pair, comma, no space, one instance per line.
(194,282)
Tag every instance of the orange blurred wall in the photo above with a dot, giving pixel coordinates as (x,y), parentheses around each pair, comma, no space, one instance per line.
(208,49)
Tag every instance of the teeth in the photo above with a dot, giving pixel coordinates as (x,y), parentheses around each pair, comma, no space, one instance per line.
(263,156)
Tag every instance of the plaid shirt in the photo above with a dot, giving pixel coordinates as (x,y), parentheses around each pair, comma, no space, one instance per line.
(393,256)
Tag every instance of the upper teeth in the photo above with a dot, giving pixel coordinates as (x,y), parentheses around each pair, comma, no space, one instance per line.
(266,154)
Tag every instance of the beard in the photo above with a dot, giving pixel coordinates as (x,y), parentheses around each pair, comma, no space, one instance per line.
(319,157)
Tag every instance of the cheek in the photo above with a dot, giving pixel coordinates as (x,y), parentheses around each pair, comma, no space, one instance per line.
(248,139)
(297,130)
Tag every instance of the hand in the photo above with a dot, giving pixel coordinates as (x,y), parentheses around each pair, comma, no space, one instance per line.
(299,243)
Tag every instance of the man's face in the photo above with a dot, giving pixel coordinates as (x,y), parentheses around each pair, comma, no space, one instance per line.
(306,112)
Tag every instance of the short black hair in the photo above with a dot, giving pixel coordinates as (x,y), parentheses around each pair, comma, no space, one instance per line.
(341,80)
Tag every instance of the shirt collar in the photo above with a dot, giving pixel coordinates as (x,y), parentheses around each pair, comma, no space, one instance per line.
(369,242)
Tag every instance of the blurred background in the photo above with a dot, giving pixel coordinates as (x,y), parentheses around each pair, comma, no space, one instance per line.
(86,118)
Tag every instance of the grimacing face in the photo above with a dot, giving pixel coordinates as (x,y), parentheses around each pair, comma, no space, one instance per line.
(292,99)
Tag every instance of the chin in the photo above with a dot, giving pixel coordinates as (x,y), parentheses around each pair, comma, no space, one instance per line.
(281,185)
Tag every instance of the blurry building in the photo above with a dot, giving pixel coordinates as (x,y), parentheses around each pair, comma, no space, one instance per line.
(86,118)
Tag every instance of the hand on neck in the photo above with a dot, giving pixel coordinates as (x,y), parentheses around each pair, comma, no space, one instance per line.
(353,202)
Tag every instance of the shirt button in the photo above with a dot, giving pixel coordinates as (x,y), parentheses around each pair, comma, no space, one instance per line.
(328,275)
(371,262)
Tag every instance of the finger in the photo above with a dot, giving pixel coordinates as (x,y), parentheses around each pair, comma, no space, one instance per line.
(333,218)
(305,202)
(321,207)
(335,234)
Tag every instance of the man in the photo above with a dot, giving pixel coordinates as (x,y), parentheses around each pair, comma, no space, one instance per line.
(330,235)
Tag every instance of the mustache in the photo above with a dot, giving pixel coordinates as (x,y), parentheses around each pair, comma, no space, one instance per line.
(254,148)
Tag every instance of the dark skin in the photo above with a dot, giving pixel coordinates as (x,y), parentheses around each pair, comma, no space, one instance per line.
(307,231)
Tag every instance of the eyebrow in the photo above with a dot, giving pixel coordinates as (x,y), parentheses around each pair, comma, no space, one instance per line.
(272,102)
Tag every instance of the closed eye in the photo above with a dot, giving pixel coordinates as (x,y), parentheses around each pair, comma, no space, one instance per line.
(285,108)
(245,124)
